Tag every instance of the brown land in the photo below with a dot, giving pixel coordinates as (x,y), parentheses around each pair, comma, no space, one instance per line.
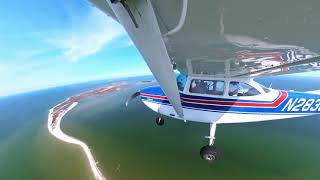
(62,107)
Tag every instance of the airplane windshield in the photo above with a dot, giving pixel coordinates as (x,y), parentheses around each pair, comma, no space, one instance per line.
(181,81)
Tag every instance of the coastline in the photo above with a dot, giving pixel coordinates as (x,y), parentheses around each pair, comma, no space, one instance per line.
(58,133)
(60,110)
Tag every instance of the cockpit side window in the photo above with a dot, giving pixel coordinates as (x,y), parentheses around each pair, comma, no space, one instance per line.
(181,81)
(242,89)
(211,87)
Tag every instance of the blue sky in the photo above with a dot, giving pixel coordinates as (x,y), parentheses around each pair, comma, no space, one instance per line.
(55,42)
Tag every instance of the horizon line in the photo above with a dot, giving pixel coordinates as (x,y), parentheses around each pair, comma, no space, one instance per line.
(70,83)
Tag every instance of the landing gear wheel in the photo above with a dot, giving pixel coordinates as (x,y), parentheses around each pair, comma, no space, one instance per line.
(159,121)
(209,153)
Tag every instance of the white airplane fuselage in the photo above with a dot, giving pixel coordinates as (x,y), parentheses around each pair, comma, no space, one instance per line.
(218,109)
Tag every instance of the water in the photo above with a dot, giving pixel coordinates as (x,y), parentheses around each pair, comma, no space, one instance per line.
(27,150)
(128,144)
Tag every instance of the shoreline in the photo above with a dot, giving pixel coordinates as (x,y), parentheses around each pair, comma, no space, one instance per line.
(58,133)
(60,110)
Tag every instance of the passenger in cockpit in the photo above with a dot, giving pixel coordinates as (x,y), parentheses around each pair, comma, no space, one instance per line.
(234,88)
(197,86)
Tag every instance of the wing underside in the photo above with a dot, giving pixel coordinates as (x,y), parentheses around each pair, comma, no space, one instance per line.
(222,38)
(228,38)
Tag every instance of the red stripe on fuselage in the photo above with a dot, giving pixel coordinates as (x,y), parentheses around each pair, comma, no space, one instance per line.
(275,103)
(153,96)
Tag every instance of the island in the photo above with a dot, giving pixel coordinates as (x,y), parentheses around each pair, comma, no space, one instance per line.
(57,112)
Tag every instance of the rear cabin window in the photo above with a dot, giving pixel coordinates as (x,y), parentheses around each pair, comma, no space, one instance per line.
(181,81)
(242,89)
(211,87)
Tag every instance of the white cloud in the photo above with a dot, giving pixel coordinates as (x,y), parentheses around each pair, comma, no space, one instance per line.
(87,35)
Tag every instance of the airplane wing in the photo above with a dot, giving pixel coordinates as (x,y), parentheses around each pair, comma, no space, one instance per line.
(220,38)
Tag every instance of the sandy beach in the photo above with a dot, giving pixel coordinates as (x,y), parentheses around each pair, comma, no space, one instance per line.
(56,114)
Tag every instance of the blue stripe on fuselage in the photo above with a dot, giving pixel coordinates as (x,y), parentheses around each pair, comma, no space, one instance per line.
(293,100)
(156,90)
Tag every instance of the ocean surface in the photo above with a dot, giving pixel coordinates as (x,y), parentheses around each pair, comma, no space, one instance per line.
(128,145)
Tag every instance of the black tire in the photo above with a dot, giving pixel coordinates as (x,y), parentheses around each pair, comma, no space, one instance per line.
(209,153)
(159,121)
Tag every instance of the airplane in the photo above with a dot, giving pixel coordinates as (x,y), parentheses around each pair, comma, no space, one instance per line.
(205,55)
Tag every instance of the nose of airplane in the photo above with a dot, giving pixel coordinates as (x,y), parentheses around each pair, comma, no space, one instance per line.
(153,90)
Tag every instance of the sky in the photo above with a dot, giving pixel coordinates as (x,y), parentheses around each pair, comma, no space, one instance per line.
(49,43)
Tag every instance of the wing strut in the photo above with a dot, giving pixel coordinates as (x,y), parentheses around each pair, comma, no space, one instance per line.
(148,39)
(127,7)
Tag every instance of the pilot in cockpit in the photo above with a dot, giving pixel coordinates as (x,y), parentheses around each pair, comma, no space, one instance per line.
(234,88)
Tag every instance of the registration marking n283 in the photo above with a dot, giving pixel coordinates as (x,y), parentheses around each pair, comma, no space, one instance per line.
(302,104)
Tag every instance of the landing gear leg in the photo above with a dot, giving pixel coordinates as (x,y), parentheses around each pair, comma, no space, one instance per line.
(212,137)
(209,152)
(159,121)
